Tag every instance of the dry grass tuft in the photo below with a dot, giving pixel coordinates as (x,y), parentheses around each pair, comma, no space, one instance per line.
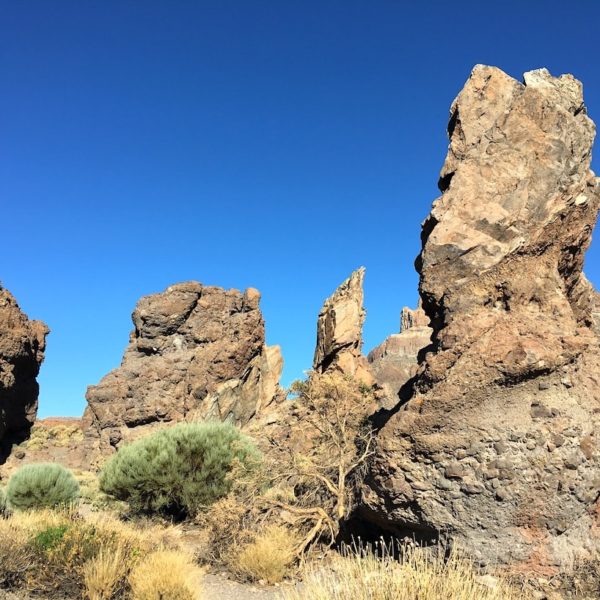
(165,574)
(361,575)
(268,557)
(105,573)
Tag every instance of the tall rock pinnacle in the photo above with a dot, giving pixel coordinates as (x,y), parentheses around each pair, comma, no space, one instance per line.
(497,449)
(339,331)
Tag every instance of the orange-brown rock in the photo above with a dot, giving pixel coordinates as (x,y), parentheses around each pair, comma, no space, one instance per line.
(339,331)
(395,361)
(195,352)
(22,345)
(497,448)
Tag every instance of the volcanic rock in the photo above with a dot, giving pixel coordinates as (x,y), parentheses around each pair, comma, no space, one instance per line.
(339,331)
(22,345)
(395,361)
(195,352)
(515,361)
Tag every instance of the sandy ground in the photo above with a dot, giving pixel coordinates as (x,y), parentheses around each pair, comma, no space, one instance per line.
(216,587)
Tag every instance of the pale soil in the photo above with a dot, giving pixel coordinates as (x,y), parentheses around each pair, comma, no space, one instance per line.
(216,587)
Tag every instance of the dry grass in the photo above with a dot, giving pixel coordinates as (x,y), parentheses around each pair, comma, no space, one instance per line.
(361,575)
(15,554)
(144,535)
(268,557)
(43,436)
(105,573)
(165,574)
(46,551)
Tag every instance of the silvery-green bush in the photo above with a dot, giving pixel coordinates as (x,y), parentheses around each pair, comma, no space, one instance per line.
(179,470)
(42,485)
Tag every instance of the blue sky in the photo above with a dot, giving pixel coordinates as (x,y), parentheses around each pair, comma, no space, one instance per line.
(274,144)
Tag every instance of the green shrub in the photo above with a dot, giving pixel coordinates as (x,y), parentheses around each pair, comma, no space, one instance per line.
(50,537)
(42,486)
(179,470)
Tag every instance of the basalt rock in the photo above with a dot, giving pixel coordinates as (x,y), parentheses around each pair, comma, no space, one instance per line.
(339,331)
(496,450)
(195,352)
(395,361)
(22,345)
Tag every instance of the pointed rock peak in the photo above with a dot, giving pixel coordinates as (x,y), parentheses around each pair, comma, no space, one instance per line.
(339,327)
(410,318)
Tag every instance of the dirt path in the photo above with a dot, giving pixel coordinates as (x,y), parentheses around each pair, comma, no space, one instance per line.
(216,587)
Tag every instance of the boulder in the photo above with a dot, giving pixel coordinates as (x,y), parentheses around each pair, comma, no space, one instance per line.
(22,345)
(196,352)
(496,448)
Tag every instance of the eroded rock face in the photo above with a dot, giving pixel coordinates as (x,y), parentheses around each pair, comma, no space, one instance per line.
(497,449)
(339,331)
(195,352)
(395,361)
(22,345)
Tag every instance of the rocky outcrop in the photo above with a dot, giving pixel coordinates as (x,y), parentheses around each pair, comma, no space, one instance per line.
(22,345)
(497,448)
(339,331)
(195,352)
(395,361)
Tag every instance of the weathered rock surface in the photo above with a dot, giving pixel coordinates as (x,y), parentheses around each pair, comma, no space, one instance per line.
(395,361)
(22,345)
(339,331)
(195,352)
(497,448)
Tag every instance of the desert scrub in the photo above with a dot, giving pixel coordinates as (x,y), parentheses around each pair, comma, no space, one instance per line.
(62,436)
(42,486)
(16,554)
(178,471)
(268,557)
(165,574)
(50,551)
(361,574)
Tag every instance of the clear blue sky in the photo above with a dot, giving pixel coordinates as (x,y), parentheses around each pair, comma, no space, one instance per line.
(275,144)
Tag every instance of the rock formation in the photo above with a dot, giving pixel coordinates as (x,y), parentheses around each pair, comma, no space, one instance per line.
(497,448)
(195,352)
(22,345)
(339,331)
(395,361)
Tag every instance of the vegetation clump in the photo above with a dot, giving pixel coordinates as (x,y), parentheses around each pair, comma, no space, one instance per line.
(165,574)
(42,486)
(52,553)
(267,557)
(363,573)
(180,470)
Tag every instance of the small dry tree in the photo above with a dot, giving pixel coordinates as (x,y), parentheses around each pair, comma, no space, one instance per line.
(324,458)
